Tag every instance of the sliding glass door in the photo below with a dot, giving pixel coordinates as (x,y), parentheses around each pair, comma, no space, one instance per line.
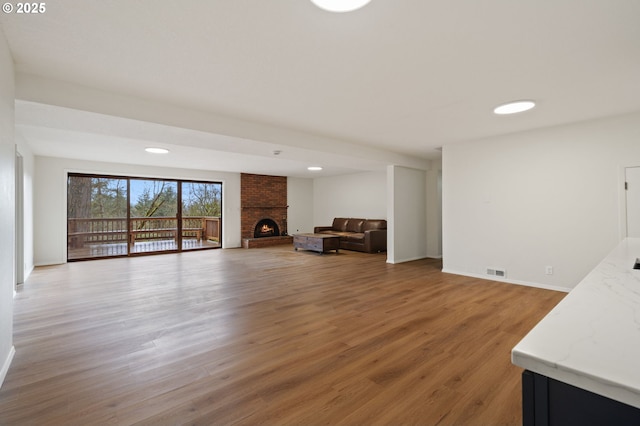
(121,216)
(96,216)
(201,214)
(153,225)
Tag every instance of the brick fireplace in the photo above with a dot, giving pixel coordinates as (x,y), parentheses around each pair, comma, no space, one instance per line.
(263,198)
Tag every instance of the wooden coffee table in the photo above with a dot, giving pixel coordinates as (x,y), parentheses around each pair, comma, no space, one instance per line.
(316,242)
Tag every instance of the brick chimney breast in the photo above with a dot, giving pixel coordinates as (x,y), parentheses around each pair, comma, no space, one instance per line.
(262,197)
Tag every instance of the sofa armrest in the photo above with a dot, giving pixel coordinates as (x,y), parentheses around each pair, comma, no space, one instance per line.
(318,229)
(375,240)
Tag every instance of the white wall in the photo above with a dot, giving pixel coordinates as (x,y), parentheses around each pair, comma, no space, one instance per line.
(407,213)
(356,195)
(434,210)
(7,207)
(28,163)
(546,197)
(50,200)
(300,200)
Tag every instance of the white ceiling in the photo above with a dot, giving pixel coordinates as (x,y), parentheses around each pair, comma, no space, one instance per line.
(398,76)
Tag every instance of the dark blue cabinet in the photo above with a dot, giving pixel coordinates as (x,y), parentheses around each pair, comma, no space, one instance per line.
(549,402)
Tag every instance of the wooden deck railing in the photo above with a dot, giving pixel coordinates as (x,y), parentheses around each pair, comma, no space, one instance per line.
(115,230)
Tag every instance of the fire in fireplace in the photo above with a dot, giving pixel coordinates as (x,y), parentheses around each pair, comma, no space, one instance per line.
(266,228)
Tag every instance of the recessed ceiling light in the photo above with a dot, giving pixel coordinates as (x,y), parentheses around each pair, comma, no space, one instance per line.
(314,168)
(340,5)
(157,150)
(514,107)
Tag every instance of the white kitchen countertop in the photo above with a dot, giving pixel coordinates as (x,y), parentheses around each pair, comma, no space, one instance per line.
(591,339)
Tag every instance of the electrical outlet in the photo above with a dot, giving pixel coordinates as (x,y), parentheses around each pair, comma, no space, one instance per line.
(548,270)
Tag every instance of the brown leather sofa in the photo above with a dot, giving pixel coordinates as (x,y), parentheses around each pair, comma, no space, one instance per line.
(366,235)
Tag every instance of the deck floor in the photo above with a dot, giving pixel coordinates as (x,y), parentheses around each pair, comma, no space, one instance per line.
(120,249)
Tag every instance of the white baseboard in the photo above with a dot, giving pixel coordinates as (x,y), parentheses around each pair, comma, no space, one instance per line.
(411,259)
(509,281)
(5,366)
(415,258)
(51,263)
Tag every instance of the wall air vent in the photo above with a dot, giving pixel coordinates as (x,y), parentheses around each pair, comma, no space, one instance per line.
(497,272)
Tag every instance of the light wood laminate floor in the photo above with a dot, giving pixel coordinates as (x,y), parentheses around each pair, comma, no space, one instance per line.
(266,336)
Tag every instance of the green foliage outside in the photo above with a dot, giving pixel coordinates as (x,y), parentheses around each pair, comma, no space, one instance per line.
(95,197)
(108,198)
(201,199)
(158,199)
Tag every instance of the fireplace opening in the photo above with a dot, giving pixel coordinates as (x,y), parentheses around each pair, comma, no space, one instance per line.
(266,228)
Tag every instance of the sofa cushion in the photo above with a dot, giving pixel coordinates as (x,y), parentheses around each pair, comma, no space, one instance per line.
(355,225)
(340,224)
(374,224)
(341,234)
(355,237)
